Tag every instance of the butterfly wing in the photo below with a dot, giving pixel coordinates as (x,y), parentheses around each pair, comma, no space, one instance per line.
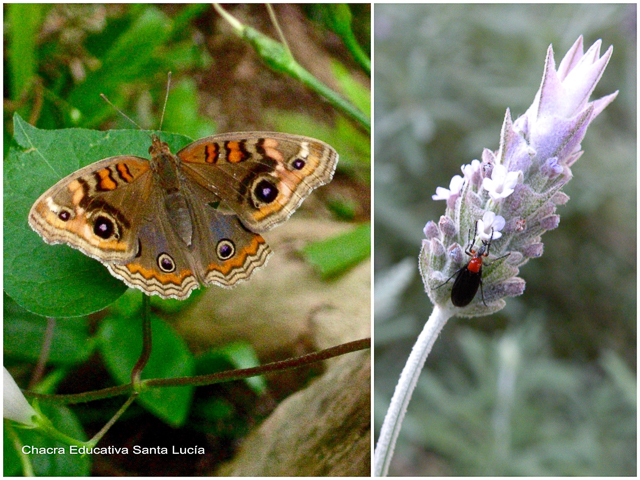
(219,250)
(261,176)
(230,252)
(87,209)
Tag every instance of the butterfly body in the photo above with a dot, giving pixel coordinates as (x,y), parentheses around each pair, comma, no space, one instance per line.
(171,223)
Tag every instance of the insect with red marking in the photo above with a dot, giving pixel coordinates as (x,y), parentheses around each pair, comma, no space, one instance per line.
(469,277)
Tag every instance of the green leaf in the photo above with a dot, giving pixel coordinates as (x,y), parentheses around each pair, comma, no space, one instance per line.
(121,345)
(55,280)
(24,333)
(234,355)
(344,209)
(214,409)
(337,254)
(187,14)
(353,89)
(338,18)
(56,464)
(11,466)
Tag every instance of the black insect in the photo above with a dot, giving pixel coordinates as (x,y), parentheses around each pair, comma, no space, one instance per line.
(469,277)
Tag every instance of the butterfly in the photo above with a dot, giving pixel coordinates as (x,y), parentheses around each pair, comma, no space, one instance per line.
(168,224)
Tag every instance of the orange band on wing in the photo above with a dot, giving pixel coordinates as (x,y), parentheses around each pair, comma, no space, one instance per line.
(236,152)
(105,181)
(124,172)
(211,153)
(239,259)
(164,278)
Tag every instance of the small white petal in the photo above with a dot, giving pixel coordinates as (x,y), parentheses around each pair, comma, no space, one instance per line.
(456,184)
(511,180)
(490,224)
(498,224)
(488,217)
(16,407)
(441,194)
(469,170)
(502,183)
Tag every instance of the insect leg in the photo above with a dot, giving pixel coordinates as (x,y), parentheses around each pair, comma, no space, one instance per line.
(482,293)
(455,273)
(472,241)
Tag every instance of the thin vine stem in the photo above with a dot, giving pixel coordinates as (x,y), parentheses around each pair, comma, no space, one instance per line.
(229,375)
(45,350)
(136,372)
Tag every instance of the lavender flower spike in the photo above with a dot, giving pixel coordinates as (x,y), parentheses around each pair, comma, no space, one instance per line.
(513,193)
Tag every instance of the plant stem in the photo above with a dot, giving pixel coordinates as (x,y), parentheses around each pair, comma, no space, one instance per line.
(98,436)
(136,372)
(308,359)
(407,383)
(277,57)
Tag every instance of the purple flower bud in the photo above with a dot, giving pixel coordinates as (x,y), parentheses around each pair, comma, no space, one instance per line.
(515,258)
(437,248)
(533,251)
(552,168)
(511,288)
(448,227)
(431,230)
(551,222)
(455,253)
(560,198)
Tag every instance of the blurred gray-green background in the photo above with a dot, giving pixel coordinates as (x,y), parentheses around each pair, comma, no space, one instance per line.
(548,385)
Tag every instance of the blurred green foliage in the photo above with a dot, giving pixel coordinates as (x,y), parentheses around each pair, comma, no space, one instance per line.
(444,76)
(355,246)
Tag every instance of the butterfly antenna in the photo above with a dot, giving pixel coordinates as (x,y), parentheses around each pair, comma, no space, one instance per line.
(166,99)
(104,97)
